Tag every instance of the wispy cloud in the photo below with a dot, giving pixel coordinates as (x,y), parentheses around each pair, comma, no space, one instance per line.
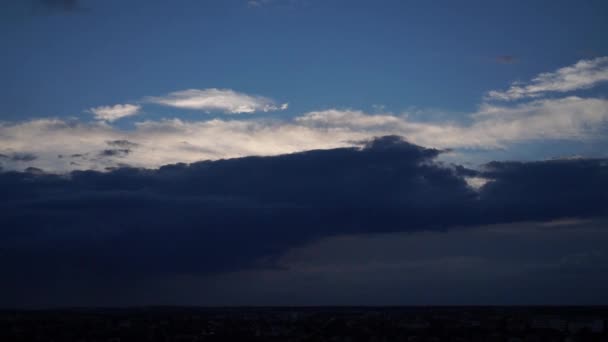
(113,113)
(571,118)
(582,75)
(222,100)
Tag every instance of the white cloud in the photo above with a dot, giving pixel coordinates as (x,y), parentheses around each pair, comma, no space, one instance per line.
(582,75)
(347,118)
(223,100)
(476,182)
(156,143)
(173,140)
(571,118)
(113,113)
(160,142)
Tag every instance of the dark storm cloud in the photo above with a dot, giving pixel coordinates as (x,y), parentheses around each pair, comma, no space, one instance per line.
(542,190)
(226,215)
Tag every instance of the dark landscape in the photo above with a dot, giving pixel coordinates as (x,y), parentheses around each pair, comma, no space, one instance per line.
(352,324)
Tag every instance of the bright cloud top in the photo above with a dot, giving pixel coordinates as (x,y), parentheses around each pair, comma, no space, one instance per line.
(156,143)
(113,113)
(223,100)
(582,75)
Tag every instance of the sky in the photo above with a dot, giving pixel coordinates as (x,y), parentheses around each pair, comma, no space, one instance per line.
(297,152)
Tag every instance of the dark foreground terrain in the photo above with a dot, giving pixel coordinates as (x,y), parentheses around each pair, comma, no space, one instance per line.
(309,324)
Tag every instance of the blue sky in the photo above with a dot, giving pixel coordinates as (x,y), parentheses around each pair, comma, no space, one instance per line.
(312,54)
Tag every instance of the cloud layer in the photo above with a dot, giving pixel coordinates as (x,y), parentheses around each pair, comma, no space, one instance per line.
(474,266)
(237,214)
(494,125)
(171,141)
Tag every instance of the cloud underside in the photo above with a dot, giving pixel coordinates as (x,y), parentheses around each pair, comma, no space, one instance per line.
(562,262)
(584,74)
(241,214)
(173,140)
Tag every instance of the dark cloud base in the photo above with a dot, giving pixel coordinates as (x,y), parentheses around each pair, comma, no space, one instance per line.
(218,216)
(18,157)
